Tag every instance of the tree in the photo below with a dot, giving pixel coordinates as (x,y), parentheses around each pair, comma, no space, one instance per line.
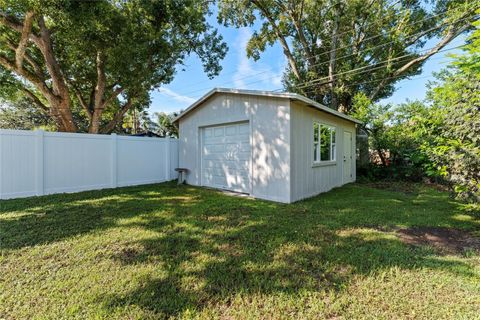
(454,141)
(398,134)
(165,126)
(337,48)
(137,121)
(22,115)
(374,118)
(102,57)
(441,137)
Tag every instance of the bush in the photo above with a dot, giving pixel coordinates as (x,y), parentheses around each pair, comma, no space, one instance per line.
(374,172)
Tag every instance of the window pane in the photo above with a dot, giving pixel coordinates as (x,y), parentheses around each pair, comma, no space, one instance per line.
(334,145)
(325,141)
(315,152)
(315,132)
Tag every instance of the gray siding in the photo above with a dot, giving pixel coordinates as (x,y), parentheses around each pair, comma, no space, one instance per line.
(307,179)
(269,120)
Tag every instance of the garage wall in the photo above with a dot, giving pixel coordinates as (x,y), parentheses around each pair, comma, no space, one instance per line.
(269,120)
(307,179)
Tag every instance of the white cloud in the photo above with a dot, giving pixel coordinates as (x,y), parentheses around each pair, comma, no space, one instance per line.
(176,96)
(252,74)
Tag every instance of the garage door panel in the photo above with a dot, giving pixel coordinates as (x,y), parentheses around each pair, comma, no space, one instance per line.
(208,132)
(226,165)
(245,147)
(226,157)
(214,140)
(222,171)
(219,132)
(231,131)
(214,156)
(244,128)
(214,148)
(237,139)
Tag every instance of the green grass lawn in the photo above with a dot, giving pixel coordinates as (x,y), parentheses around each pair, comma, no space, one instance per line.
(163,251)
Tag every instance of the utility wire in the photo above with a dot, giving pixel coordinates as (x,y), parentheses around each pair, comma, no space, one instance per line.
(368,68)
(341,57)
(364,71)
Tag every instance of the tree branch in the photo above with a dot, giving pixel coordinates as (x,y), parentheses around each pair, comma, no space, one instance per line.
(281,38)
(118,116)
(57,96)
(35,99)
(98,94)
(22,45)
(83,103)
(333,60)
(297,23)
(36,67)
(15,24)
(39,83)
(59,87)
(101,81)
(451,34)
(114,95)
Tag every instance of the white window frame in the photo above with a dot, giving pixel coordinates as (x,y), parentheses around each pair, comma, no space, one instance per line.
(316,145)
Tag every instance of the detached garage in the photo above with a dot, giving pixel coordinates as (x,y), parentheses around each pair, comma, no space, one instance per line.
(276,146)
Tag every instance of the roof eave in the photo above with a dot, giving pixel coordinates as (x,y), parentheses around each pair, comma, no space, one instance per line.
(285,95)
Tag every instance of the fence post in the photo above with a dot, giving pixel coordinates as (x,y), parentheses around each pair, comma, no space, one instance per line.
(114,160)
(39,162)
(167,160)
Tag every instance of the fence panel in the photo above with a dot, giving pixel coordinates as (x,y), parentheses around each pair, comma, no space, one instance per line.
(17,164)
(132,169)
(37,162)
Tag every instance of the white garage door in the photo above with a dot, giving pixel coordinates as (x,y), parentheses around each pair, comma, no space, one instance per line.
(226,157)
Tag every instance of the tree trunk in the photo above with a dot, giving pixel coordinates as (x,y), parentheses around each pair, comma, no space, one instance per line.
(94,126)
(98,95)
(382,157)
(332,63)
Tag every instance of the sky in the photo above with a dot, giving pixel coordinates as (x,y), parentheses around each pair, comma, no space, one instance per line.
(239,72)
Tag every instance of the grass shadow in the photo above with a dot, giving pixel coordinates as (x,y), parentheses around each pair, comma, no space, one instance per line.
(209,247)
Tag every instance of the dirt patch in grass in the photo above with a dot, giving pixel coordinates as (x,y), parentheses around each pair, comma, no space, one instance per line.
(448,240)
(404,187)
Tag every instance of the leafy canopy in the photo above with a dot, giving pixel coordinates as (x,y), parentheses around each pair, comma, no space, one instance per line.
(106,56)
(337,48)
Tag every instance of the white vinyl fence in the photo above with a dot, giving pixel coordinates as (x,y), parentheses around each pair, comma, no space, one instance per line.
(37,162)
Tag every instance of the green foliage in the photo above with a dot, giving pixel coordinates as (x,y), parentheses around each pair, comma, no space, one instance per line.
(164,124)
(441,138)
(386,42)
(454,147)
(137,121)
(135,45)
(22,115)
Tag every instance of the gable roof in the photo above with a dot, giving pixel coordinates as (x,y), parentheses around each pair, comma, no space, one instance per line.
(285,95)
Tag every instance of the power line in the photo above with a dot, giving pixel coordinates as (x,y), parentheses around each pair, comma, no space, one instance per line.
(342,33)
(444,50)
(347,85)
(383,34)
(344,56)
(368,68)
(378,80)
(386,43)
